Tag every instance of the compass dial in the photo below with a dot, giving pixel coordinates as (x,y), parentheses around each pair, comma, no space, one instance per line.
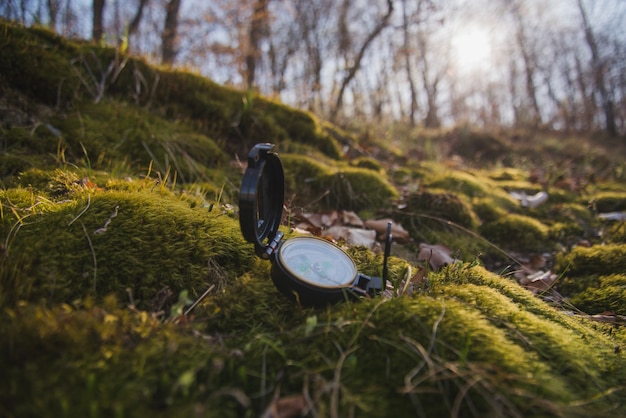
(317,262)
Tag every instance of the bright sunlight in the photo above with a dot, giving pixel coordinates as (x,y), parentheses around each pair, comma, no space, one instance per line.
(471,49)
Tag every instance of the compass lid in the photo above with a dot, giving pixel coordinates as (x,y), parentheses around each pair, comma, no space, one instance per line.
(261,198)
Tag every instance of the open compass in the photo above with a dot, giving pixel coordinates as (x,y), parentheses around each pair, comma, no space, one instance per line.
(308,270)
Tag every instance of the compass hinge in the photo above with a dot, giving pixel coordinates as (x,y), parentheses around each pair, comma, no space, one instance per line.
(273,244)
(371,285)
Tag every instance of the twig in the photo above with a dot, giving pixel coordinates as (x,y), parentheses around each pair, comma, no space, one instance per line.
(81,212)
(93,255)
(193,305)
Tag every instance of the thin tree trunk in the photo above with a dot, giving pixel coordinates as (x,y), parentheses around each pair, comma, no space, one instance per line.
(354,68)
(529,69)
(53,11)
(134,24)
(170,33)
(98,18)
(257,31)
(598,74)
(407,63)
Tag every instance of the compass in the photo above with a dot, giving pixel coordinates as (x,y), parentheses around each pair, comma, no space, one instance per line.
(308,270)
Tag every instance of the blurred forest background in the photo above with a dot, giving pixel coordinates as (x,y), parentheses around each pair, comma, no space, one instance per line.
(557,64)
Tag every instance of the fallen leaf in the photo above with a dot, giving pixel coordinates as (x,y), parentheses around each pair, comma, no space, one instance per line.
(613,216)
(531,201)
(351,218)
(380,226)
(329,218)
(354,236)
(437,256)
(540,281)
(286,407)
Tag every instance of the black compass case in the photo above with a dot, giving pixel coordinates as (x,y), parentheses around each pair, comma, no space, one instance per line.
(308,270)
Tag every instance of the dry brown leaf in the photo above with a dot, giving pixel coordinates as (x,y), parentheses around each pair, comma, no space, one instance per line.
(351,218)
(314,219)
(286,407)
(437,256)
(538,282)
(330,218)
(380,226)
(354,236)
(537,262)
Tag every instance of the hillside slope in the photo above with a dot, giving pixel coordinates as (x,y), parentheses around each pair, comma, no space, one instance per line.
(118,210)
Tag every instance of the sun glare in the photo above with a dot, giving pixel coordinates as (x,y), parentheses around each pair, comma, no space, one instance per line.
(471,49)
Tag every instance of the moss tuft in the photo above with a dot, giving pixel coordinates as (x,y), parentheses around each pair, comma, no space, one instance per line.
(94,247)
(609,202)
(598,259)
(311,183)
(517,232)
(435,207)
(605,294)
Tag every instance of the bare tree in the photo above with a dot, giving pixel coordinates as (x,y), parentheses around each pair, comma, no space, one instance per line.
(599,70)
(406,52)
(258,31)
(356,62)
(97,29)
(529,64)
(54,7)
(169,36)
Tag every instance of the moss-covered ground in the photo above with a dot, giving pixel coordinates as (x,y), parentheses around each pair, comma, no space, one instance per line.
(118,210)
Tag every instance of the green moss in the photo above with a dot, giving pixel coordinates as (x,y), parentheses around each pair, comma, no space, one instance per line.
(616,232)
(461,182)
(609,202)
(98,244)
(60,72)
(93,246)
(38,63)
(358,189)
(487,209)
(434,208)
(476,146)
(517,232)
(508,174)
(598,259)
(313,183)
(607,293)
(367,162)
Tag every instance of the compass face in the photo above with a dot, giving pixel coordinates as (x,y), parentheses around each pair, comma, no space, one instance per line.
(317,262)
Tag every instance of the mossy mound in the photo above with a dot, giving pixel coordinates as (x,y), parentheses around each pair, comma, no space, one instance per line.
(479,147)
(472,344)
(147,243)
(367,162)
(59,73)
(313,184)
(609,202)
(592,278)
(434,208)
(516,231)
(602,294)
(598,259)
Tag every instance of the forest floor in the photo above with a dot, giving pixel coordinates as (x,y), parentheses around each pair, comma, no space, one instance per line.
(127,288)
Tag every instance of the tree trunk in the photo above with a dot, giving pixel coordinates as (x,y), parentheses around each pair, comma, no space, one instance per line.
(54,7)
(257,32)
(354,68)
(97,28)
(134,24)
(170,33)
(598,74)
(407,62)
(529,68)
